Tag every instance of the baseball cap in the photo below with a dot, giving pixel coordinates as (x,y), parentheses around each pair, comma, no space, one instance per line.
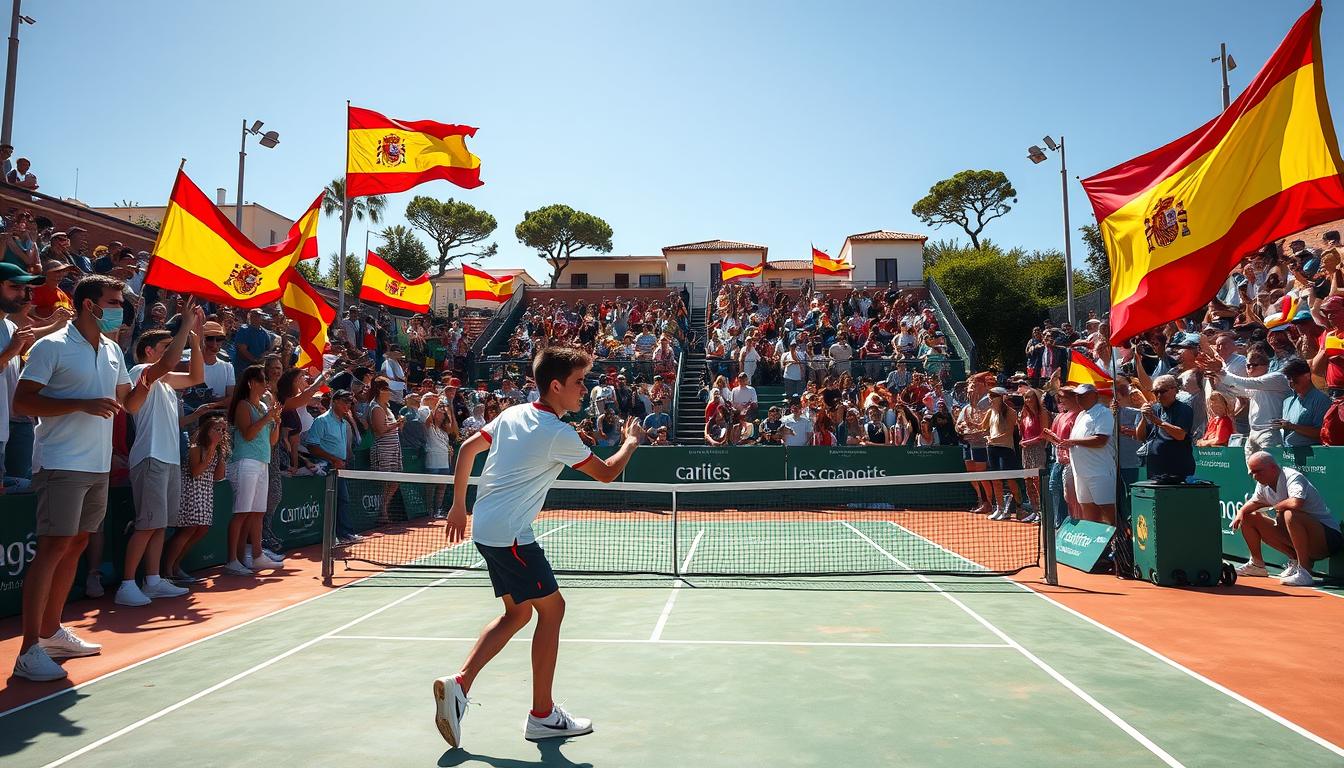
(342,394)
(1185,340)
(1333,303)
(455,382)
(1080,389)
(16,274)
(212,328)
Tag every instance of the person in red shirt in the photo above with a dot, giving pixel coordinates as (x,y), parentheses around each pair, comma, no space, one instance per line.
(1323,363)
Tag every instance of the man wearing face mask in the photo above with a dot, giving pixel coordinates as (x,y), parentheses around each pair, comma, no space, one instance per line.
(75,381)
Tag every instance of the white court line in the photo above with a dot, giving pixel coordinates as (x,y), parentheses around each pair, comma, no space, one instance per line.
(676,589)
(627,641)
(257,668)
(1261,709)
(1034,659)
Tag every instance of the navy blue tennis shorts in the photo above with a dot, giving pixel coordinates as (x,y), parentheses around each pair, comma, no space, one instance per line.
(521,571)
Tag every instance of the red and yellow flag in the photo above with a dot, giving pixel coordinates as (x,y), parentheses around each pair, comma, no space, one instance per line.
(1083,370)
(731,270)
(1334,345)
(483,286)
(825,266)
(1176,219)
(384,285)
(1285,309)
(387,155)
(200,251)
(312,315)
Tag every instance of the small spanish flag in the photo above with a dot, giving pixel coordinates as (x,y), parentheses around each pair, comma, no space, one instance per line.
(825,266)
(483,286)
(387,155)
(1285,309)
(1082,370)
(384,285)
(199,251)
(312,315)
(1334,345)
(731,270)
(1177,219)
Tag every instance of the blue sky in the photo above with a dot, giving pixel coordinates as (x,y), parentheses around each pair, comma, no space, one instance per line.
(775,123)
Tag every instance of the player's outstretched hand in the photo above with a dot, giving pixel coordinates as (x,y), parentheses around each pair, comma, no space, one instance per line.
(457,524)
(632,430)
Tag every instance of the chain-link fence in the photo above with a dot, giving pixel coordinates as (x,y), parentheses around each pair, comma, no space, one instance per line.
(1098,301)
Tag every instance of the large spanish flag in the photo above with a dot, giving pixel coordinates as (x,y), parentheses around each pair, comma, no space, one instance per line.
(1176,219)
(1083,370)
(312,315)
(384,285)
(387,155)
(731,270)
(483,286)
(200,251)
(824,266)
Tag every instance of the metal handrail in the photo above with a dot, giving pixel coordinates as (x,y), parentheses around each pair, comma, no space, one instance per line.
(960,336)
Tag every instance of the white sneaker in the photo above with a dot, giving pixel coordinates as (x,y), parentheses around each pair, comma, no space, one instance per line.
(182,577)
(164,589)
(999,513)
(36,665)
(558,725)
(129,594)
(1251,569)
(247,559)
(450,706)
(265,563)
(1300,577)
(93,587)
(1289,569)
(1032,517)
(275,556)
(67,645)
(235,568)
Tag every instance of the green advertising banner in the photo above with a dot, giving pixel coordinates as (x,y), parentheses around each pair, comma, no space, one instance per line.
(707,464)
(841,463)
(18,547)
(1080,543)
(297,522)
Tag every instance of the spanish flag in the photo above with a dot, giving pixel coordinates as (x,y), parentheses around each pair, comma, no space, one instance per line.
(1334,345)
(1176,219)
(731,270)
(387,155)
(1082,370)
(1286,308)
(312,315)
(825,266)
(483,286)
(384,285)
(199,251)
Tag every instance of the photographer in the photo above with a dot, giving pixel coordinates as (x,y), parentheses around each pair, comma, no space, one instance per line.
(772,427)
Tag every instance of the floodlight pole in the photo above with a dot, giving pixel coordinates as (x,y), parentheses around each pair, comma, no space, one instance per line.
(242,158)
(11,74)
(1068,248)
(1222,63)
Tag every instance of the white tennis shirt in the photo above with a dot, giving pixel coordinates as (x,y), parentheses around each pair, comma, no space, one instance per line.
(529,447)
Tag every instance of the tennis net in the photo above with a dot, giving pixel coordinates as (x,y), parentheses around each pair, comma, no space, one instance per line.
(916,524)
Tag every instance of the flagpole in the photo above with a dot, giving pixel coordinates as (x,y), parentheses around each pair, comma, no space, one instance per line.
(345,223)
(366,254)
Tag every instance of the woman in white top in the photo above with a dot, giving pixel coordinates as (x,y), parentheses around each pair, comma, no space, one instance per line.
(748,357)
(440,434)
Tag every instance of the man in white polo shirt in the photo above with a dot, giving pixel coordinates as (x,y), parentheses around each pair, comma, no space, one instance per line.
(156,456)
(1302,527)
(527,448)
(74,383)
(1092,456)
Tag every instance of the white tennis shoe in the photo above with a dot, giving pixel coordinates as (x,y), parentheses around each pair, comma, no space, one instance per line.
(450,706)
(1297,577)
(1249,568)
(558,724)
(67,645)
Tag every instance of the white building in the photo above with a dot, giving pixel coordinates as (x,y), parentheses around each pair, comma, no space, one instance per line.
(698,264)
(884,257)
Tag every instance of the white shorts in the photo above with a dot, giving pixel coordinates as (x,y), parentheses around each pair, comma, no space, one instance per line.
(1095,489)
(250,480)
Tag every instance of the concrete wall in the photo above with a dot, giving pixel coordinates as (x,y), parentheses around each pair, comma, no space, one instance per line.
(863,254)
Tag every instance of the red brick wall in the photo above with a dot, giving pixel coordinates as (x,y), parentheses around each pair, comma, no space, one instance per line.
(101,228)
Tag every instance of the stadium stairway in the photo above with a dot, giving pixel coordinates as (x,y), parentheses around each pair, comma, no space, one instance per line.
(690,416)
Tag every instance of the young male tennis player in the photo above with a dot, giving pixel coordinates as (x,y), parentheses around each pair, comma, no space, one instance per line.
(528,447)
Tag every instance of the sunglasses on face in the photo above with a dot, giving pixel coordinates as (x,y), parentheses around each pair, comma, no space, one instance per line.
(217,339)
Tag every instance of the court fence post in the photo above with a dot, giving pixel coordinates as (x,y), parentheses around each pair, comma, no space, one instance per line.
(676,566)
(1048,530)
(329,528)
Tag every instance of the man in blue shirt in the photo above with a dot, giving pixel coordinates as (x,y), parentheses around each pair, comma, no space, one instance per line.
(328,440)
(1304,408)
(251,342)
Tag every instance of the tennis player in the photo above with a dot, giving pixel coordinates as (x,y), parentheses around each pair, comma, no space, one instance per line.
(528,447)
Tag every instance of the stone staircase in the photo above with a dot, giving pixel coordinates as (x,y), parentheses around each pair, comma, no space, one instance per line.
(690,416)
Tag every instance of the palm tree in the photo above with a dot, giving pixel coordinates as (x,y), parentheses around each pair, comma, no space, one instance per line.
(372,206)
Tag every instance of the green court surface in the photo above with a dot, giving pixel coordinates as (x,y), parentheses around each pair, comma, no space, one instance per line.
(874,671)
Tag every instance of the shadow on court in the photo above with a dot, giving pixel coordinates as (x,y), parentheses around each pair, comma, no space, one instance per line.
(548,755)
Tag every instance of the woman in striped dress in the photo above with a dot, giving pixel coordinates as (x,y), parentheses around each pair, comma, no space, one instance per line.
(385,454)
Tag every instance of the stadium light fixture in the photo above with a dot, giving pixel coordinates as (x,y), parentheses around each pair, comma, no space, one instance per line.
(1037,156)
(268,139)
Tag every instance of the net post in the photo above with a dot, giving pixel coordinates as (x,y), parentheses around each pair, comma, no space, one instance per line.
(1048,531)
(676,566)
(329,528)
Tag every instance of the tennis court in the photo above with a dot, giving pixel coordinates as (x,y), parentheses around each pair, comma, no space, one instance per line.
(928,670)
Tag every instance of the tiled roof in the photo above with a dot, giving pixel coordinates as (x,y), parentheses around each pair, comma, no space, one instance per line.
(608,256)
(789,264)
(457,272)
(715,245)
(886,234)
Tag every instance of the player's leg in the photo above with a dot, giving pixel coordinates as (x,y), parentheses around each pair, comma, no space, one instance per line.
(493,638)
(546,649)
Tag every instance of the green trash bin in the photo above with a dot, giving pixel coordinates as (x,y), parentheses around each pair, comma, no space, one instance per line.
(1177,532)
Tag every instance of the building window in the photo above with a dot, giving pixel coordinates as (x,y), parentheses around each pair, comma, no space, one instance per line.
(272,237)
(578,280)
(886,271)
(681,267)
(622,279)
(650,281)
(774,282)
